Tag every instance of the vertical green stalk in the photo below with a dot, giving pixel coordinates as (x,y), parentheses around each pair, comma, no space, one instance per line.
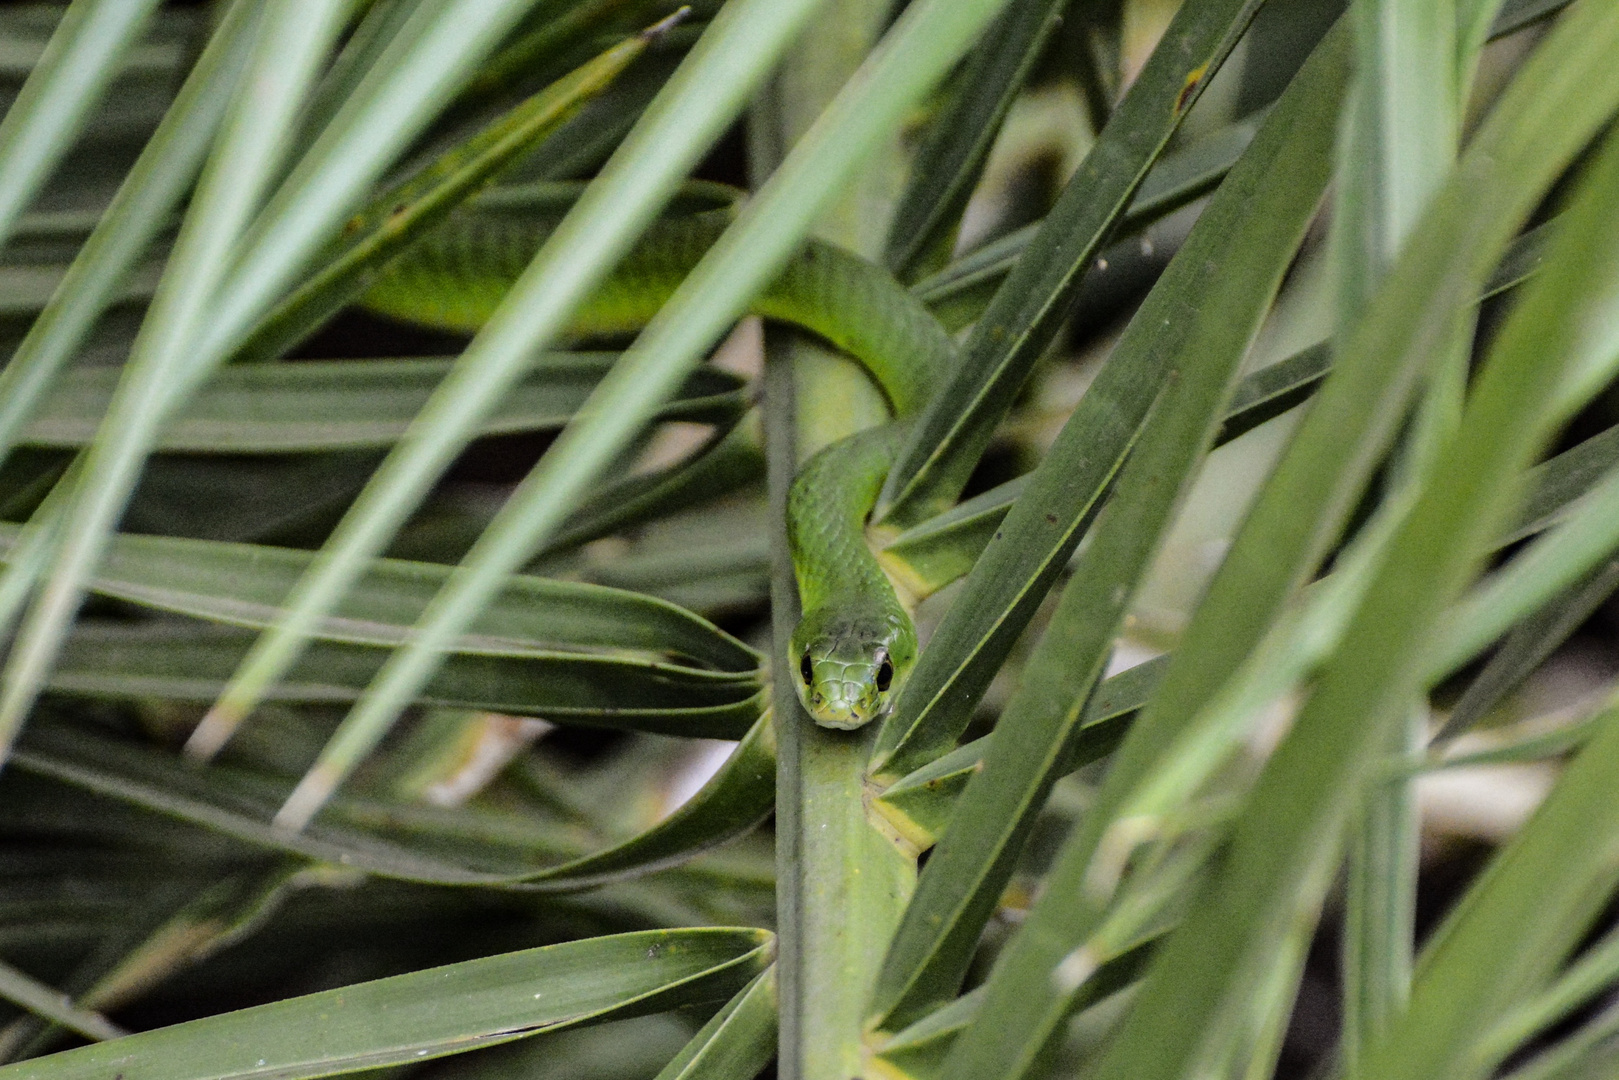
(842,883)
(1399,140)
(835,396)
(1380,899)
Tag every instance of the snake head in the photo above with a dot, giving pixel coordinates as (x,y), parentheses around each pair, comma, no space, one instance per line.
(848,672)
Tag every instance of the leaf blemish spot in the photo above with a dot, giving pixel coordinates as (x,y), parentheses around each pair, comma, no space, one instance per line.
(1193,79)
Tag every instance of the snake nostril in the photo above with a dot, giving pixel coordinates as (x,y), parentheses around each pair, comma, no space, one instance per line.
(885,676)
(806,669)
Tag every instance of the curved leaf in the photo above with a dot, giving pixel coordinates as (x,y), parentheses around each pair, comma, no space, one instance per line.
(735,799)
(186,662)
(730,459)
(427,1014)
(389,840)
(737,1043)
(241,585)
(343,404)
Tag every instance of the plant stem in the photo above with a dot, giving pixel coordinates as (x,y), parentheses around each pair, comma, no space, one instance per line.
(841,880)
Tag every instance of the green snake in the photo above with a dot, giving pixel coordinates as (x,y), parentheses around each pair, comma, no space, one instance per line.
(855,642)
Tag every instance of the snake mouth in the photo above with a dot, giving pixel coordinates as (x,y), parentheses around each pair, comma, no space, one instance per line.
(841,722)
(840,715)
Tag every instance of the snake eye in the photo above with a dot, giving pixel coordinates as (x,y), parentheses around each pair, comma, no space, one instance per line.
(885,676)
(806,669)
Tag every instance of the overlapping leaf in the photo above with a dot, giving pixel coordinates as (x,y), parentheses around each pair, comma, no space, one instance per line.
(407,1018)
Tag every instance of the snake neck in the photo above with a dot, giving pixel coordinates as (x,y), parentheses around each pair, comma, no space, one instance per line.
(855,643)
(456,276)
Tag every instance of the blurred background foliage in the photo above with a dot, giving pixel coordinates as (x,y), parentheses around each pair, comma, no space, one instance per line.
(595,757)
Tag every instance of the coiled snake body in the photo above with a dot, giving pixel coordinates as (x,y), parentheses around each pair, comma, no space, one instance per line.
(855,643)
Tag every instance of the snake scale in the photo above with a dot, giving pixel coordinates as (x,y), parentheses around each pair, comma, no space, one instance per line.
(855,643)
